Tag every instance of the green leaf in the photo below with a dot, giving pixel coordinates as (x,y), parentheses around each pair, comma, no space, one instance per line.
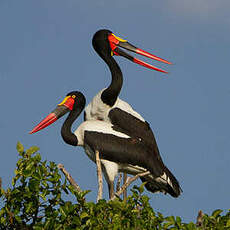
(43,196)
(170,219)
(18,218)
(141,188)
(20,148)
(217,212)
(32,150)
(63,211)
(160,215)
(228,223)
(84,215)
(37,157)
(29,169)
(166,225)
(2,211)
(38,228)
(47,224)
(28,207)
(13,181)
(191,226)
(2,221)
(178,219)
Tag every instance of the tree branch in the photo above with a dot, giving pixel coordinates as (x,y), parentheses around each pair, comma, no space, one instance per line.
(199,219)
(69,177)
(128,182)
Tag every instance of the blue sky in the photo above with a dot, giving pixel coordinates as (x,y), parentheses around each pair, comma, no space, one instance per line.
(46,52)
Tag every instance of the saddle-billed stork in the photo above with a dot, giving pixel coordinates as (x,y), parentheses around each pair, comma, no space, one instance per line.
(106,105)
(106,44)
(119,152)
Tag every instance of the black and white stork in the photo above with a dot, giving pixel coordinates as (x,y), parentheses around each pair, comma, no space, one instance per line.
(119,152)
(106,102)
(106,105)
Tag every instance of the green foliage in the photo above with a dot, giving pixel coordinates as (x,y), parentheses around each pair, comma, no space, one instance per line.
(36,201)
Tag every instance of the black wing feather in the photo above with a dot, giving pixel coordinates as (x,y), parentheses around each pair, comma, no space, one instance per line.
(136,128)
(133,152)
(124,150)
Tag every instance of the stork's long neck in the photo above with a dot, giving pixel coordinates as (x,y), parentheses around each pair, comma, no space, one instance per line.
(68,136)
(110,94)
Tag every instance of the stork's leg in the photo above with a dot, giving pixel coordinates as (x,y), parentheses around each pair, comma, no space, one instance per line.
(99,176)
(118,185)
(110,170)
(124,181)
(111,189)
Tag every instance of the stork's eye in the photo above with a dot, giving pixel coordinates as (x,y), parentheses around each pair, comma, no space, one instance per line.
(73,96)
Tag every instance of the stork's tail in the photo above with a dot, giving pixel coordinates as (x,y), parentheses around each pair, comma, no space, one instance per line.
(165,183)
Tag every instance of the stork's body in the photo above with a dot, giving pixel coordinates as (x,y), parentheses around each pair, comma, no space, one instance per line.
(119,151)
(107,106)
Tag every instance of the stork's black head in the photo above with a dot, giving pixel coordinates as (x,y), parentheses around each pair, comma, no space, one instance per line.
(73,101)
(79,99)
(106,44)
(101,42)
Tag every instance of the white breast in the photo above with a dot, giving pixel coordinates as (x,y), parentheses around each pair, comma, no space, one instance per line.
(96,126)
(97,110)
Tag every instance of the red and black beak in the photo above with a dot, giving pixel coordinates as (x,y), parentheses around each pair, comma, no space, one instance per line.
(116,42)
(65,106)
